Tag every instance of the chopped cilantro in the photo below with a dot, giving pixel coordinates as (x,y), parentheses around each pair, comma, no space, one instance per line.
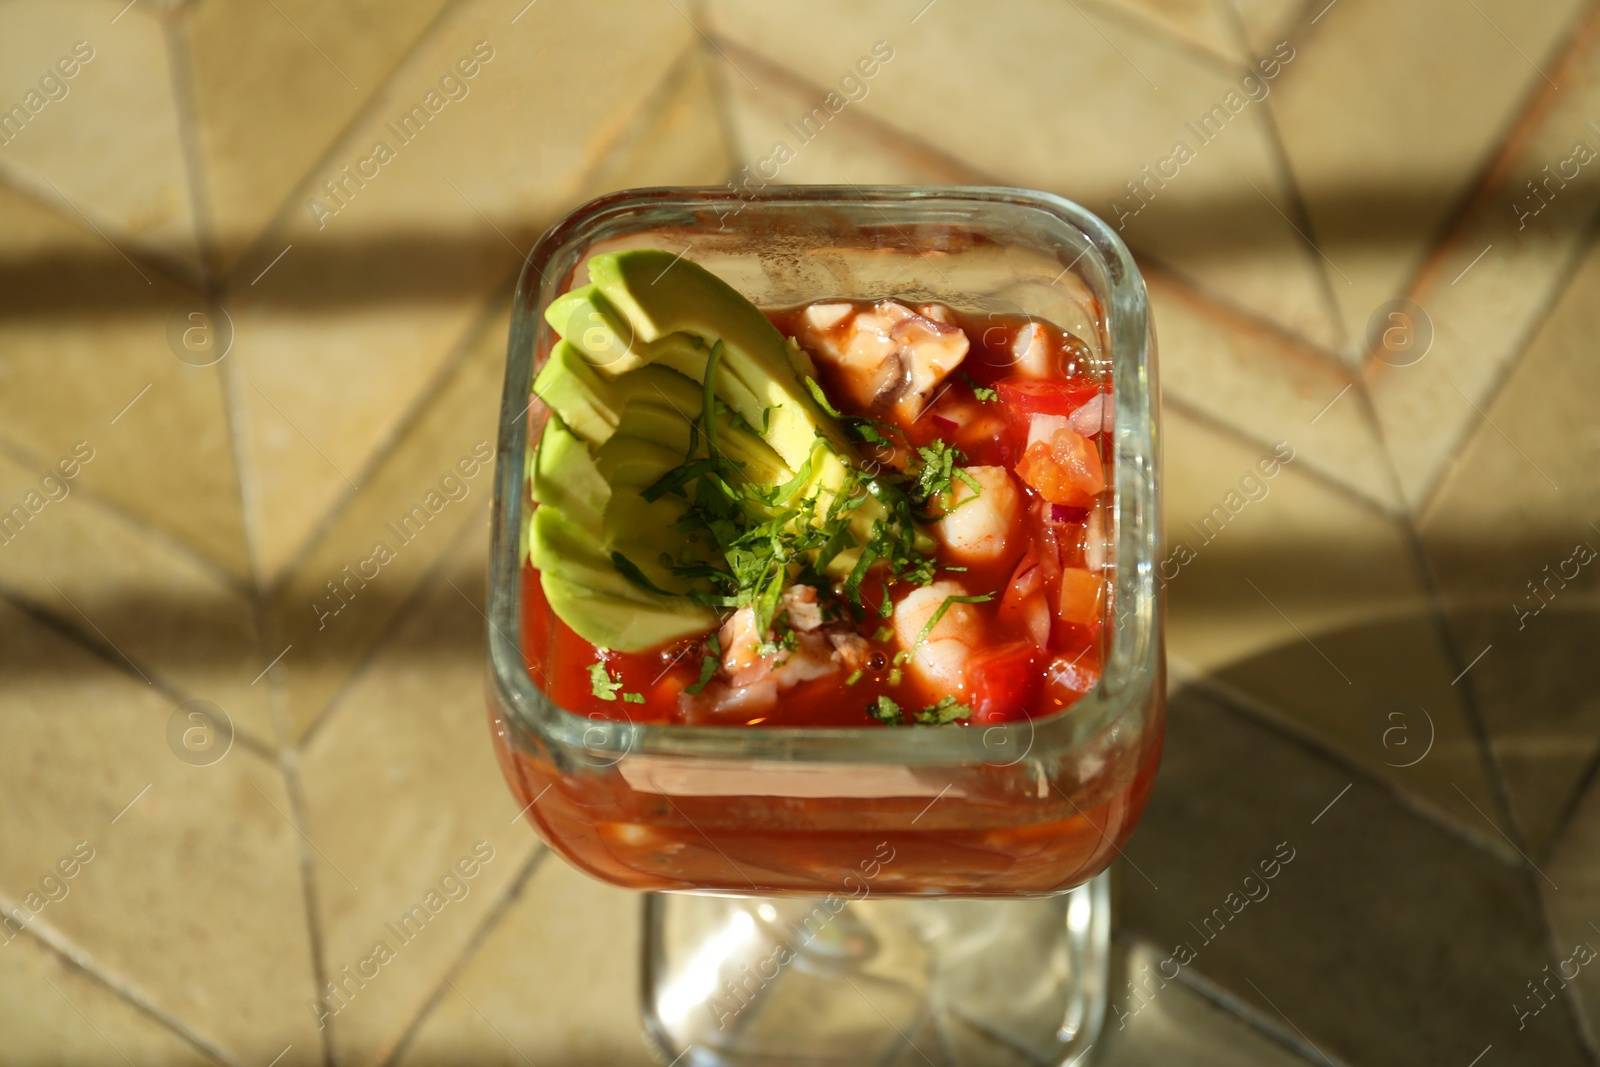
(933,620)
(633,698)
(943,713)
(601,684)
(629,570)
(981,392)
(886,711)
(708,665)
(821,398)
(855,676)
(883,633)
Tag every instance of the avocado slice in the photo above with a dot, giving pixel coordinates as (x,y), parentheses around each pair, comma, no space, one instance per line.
(627,387)
(565,476)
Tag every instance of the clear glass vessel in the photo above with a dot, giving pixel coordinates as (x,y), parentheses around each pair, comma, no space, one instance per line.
(850,817)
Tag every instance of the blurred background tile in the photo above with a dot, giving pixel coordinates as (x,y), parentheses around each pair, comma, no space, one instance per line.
(1508,534)
(100,133)
(1388,111)
(1309,605)
(273,85)
(1488,287)
(54,1012)
(404,800)
(503,1007)
(188,864)
(112,377)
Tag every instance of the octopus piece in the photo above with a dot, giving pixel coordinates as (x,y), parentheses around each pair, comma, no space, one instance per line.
(886,356)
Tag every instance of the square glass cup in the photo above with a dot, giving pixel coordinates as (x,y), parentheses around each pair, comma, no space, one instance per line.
(1027,808)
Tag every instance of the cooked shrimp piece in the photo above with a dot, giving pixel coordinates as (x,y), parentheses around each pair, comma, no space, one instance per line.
(886,356)
(850,649)
(812,657)
(978,525)
(741,641)
(939,658)
(800,604)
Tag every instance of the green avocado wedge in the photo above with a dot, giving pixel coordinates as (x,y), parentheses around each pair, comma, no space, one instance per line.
(651,509)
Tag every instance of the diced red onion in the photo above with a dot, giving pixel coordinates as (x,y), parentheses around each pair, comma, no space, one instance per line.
(1067,513)
(1095,548)
(946,424)
(1044,427)
(1093,417)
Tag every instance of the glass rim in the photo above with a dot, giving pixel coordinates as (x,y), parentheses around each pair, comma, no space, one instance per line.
(1132,666)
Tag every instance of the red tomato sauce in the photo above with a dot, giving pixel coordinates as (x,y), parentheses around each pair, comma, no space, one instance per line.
(1011,676)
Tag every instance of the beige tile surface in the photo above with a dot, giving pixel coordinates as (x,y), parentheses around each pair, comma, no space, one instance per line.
(1485,291)
(401,790)
(503,1009)
(444,466)
(167,621)
(273,86)
(68,373)
(404,266)
(1246,375)
(1086,111)
(188,870)
(117,103)
(54,1012)
(1502,531)
(1310,604)
(1205,24)
(1380,156)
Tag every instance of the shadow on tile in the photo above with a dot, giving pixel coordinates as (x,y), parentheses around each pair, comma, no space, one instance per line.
(1331,912)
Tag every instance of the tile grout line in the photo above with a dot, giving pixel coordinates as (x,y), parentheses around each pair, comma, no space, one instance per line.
(428,580)
(458,355)
(23,456)
(278,220)
(74,960)
(1288,729)
(110,657)
(288,764)
(1240,436)
(180,70)
(1467,427)
(469,951)
(909,145)
(721,95)
(1213,993)
(1534,111)
(1302,212)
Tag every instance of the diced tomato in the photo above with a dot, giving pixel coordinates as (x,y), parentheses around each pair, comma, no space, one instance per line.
(1065,469)
(1023,398)
(1004,682)
(1046,396)
(1082,596)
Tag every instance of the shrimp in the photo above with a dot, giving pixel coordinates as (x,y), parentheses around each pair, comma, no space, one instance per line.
(751,680)
(939,658)
(978,524)
(886,356)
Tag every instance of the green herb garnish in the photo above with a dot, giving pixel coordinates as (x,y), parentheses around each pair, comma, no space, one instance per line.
(601,684)
(946,711)
(886,711)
